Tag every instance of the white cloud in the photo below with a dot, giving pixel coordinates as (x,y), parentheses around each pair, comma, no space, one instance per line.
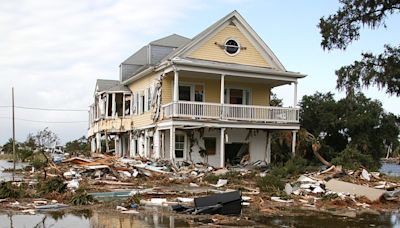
(53,51)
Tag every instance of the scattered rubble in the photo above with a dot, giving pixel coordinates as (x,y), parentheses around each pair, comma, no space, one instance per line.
(200,188)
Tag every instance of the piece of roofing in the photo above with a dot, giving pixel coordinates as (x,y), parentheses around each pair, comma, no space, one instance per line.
(105,85)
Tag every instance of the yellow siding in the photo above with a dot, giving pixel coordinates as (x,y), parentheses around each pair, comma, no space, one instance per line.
(260,92)
(111,125)
(167,88)
(210,51)
(138,86)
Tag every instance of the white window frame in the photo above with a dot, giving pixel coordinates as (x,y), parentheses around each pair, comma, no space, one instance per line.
(192,90)
(239,47)
(227,95)
(184,145)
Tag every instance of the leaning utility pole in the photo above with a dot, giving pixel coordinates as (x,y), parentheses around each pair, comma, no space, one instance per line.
(13,126)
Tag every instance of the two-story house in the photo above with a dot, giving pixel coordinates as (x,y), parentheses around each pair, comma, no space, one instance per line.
(204,99)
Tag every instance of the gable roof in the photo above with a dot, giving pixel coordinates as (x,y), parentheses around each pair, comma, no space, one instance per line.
(235,18)
(176,49)
(105,85)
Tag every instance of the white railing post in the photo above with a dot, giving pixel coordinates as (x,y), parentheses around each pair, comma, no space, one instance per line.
(222,96)
(295,95)
(176,93)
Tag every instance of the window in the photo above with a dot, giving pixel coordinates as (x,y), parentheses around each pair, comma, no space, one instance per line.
(193,92)
(128,98)
(184,93)
(148,99)
(237,96)
(179,145)
(232,47)
(141,104)
(198,93)
(210,143)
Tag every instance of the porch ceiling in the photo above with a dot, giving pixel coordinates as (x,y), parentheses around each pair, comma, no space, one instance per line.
(231,78)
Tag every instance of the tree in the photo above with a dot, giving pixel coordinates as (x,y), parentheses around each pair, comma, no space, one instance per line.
(343,27)
(355,123)
(46,138)
(78,146)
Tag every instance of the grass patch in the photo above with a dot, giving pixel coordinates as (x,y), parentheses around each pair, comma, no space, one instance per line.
(270,184)
(8,190)
(53,184)
(81,197)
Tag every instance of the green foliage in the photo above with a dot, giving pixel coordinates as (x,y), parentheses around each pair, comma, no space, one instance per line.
(38,161)
(24,154)
(78,147)
(8,190)
(81,197)
(275,101)
(340,29)
(355,121)
(270,184)
(380,70)
(351,158)
(293,167)
(53,184)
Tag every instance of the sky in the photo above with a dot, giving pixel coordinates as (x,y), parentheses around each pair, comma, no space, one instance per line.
(52,52)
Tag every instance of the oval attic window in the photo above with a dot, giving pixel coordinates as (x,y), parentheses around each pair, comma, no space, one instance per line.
(232,47)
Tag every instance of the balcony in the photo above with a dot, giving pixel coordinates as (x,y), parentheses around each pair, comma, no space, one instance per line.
(216,111)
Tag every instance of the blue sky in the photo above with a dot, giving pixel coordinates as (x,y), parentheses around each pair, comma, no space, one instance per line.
(53,51)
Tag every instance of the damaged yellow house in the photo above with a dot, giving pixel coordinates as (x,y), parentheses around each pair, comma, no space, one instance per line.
(204,99)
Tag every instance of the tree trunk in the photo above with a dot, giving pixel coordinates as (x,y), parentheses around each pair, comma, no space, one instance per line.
(315,149)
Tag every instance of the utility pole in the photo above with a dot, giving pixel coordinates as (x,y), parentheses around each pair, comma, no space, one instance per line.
(13,126)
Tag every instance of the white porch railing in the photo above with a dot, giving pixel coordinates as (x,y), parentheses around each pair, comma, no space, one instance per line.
(202,110)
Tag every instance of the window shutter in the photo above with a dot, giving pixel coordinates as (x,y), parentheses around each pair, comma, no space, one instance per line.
(146,99)
(137,112)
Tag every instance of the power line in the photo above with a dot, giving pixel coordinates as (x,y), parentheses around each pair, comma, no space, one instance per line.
(40,121)
(47,109)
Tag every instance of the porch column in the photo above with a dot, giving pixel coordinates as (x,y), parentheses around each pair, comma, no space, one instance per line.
(107,102)
(146,146)
(156,143)
(93,144)
(176,92)
(222,95)
(98,142)
(268,152)
(123,104)
(222,148)
(294,142)
(114,107)
(172,143)
(295,94)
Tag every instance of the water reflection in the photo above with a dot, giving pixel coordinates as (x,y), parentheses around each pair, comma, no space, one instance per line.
(7,176)
(107,219)
(391,169)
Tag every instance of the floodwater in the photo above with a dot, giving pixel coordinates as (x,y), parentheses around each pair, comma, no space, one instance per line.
(94,219)
(391,169)
(7,176)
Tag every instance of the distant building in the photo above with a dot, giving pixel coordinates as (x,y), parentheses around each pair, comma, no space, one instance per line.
(204,99)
